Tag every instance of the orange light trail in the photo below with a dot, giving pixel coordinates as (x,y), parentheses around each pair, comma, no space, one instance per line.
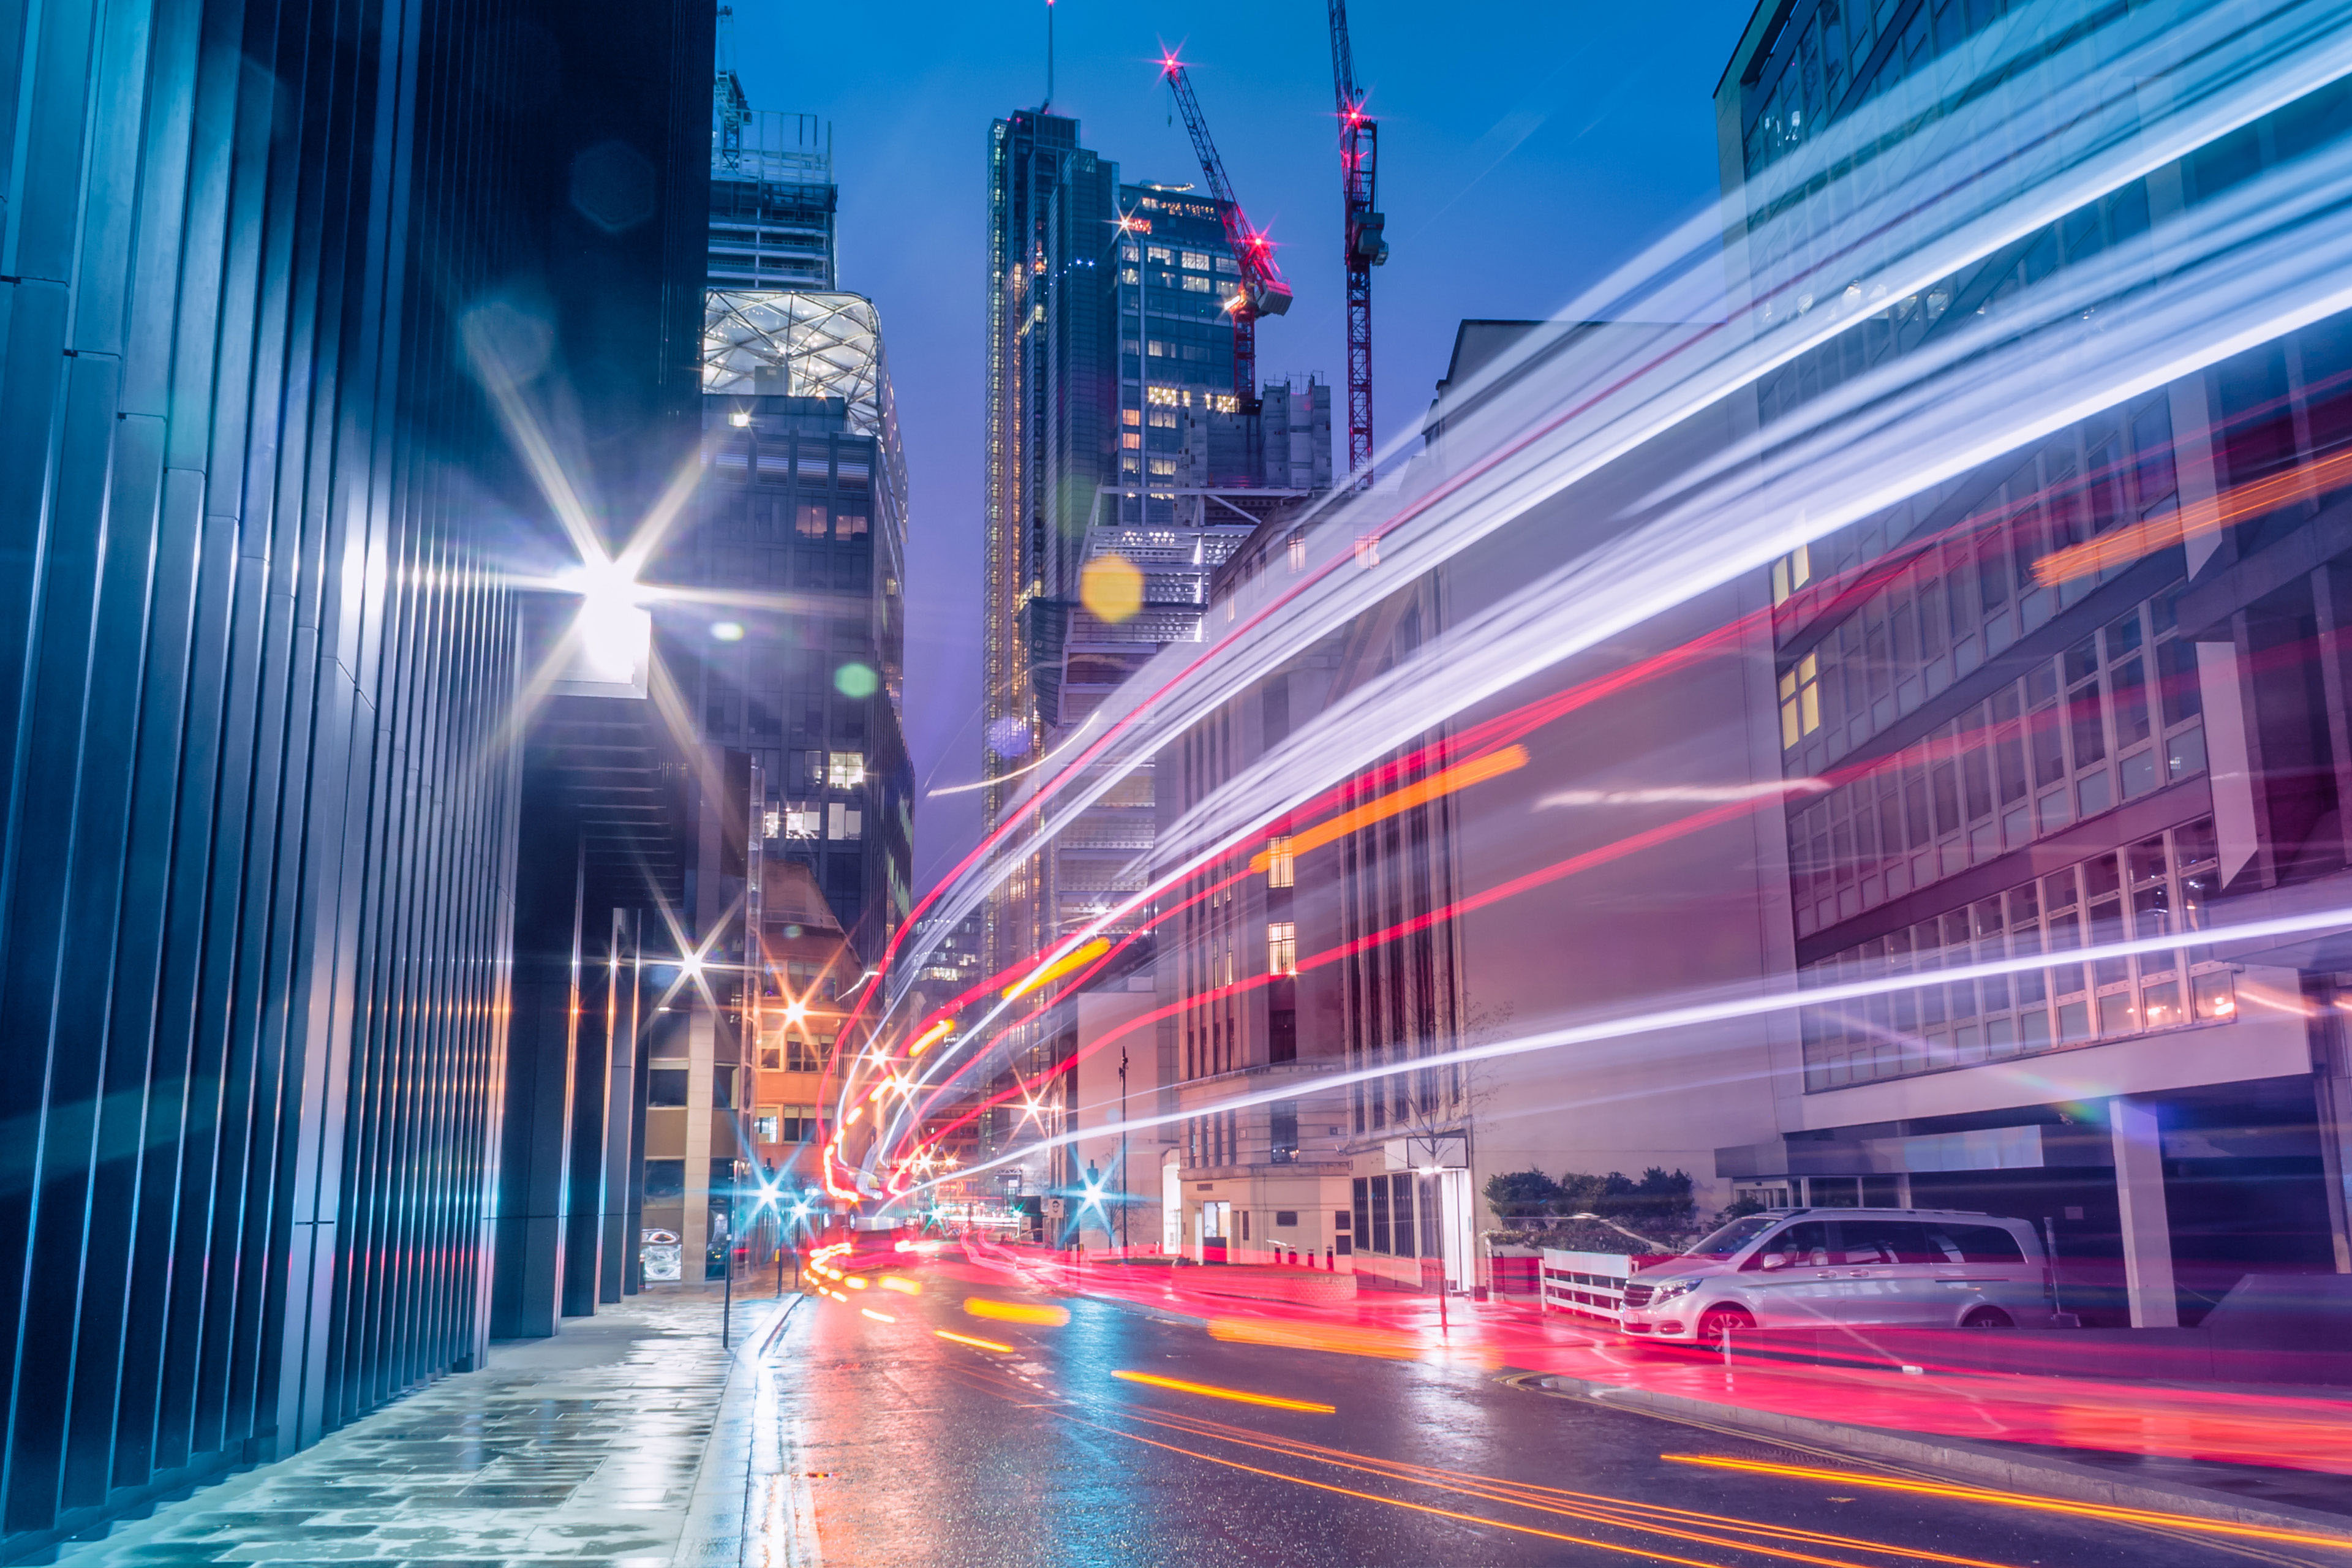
(1059,967)
(2234,505)
(1445,782)
(1655,1519)
(1849,587)
(877,1317)
(1239,1396)
(1400,1502)
(1017,1312)
(1471,473)
(968,1340)
(2021,1500)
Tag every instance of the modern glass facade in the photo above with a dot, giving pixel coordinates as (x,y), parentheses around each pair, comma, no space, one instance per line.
(258,648)
(2076,696)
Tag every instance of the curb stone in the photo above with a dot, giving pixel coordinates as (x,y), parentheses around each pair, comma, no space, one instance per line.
(719,1511)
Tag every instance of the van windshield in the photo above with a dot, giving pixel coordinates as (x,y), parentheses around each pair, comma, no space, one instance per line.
(1731,1237)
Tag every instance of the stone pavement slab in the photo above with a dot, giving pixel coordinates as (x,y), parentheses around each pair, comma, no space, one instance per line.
(582,1451)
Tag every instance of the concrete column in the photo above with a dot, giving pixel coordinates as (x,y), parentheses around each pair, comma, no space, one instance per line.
(534,1160)
(624,1118)
(2147,1224)
(592,1037)
(700,1063)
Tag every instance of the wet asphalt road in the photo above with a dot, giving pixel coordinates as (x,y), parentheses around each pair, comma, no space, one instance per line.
(918,1450)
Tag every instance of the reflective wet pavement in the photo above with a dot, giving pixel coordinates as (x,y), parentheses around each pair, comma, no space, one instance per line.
(859,1435)
(577,1452)
(907,1447)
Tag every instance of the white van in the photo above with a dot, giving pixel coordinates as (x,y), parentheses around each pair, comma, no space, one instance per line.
(1809,1269)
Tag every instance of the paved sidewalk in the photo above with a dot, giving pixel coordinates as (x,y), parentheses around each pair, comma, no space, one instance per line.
(582,1451)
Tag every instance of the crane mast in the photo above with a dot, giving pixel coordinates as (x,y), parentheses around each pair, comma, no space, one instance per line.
(1366,245)
(1263,290)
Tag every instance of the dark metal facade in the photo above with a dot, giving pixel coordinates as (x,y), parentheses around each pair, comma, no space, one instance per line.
(257,661)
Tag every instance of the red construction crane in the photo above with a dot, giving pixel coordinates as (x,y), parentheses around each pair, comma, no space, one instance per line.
(1263,291)
(1367,247)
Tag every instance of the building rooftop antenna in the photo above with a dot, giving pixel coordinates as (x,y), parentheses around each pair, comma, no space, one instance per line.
(1049,58)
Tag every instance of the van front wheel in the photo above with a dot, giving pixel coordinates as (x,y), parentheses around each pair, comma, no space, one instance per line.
(1718,1321)
(1987,1318)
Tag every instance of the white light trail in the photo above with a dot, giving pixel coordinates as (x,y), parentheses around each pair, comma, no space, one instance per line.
(2108,106)
(1693,1015)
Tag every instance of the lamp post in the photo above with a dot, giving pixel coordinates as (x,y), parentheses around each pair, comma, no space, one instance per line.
(727,1313)
(1124,1205)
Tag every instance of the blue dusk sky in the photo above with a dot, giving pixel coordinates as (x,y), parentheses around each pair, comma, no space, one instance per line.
(1525,149)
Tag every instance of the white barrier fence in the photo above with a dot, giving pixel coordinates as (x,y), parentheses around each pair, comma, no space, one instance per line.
(1588,1284)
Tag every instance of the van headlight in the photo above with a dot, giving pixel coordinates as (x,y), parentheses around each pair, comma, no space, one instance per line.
(1666,1291)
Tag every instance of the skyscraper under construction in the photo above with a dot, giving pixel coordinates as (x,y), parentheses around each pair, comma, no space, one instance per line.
(1113,431)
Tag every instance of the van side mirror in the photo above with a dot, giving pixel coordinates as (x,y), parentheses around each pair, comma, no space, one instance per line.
(1772,1260)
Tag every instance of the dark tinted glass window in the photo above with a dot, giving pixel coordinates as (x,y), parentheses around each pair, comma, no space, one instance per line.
(1977,1244)
(665,1180)
(666,1086)
(1885,1241)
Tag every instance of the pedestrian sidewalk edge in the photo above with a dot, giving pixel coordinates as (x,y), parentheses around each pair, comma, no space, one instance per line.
(719,1515)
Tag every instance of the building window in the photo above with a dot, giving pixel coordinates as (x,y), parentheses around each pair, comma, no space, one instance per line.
(1801,701)
(845,770)
(1281,947)
(1196,262)
(843,821)
(665,1182)
(1791,572)
(795,1123)
(1299,553)
(665,1087)
(772,1059)
(1282,1128)
(767,1123)
(1281,868)
(804,822)
(2158,887)
(1199,285)
(809,519)
(2111,719)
